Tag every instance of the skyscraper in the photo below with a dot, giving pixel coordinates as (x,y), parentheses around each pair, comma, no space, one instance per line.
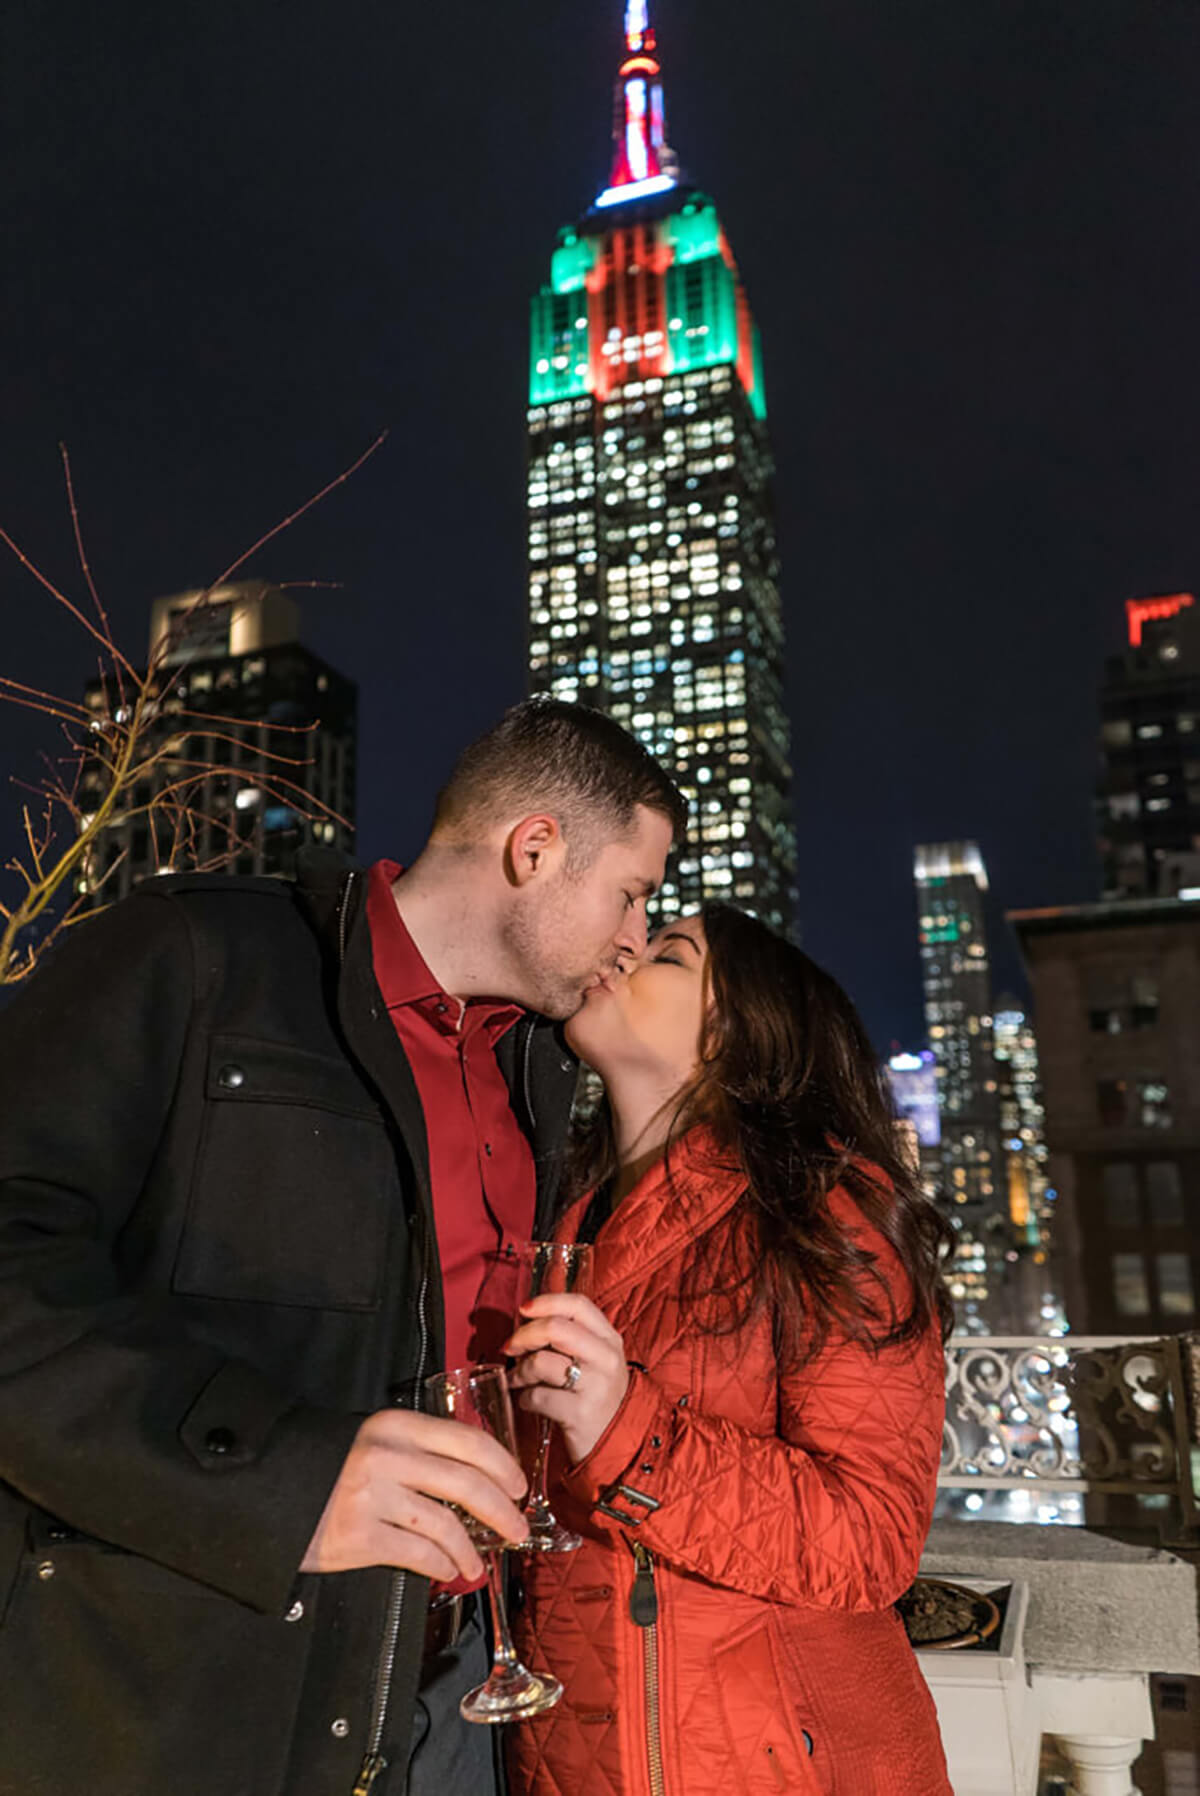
(234,687)
(956,977)
(653,577)
(1148,802)
(1022,1117)
(1117,988)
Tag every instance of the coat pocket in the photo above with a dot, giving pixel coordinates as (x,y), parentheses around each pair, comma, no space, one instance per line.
(771,1749)
(118,1675)
(295,1183)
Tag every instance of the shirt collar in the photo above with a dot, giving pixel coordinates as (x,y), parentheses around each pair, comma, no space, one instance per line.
(402,975)
(401,972)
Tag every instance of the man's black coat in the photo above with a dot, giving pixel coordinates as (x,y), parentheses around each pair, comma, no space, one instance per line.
(216,1256)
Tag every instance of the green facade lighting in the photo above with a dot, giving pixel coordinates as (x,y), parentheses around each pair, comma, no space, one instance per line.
(558,346)
(572,261)
(757,394)
(702,320)
(695,233)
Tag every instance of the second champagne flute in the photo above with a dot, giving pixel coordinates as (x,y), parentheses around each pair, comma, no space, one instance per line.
(549,1266)
(478,1395)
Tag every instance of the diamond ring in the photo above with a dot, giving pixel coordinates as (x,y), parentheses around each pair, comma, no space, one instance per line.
(574,1373)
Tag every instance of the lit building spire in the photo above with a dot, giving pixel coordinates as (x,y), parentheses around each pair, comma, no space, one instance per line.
(642,162)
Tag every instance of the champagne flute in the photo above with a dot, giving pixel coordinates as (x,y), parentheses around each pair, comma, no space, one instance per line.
(479,1396)
(549,1266)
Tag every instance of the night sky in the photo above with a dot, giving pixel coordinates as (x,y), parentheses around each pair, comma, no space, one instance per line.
(240,240)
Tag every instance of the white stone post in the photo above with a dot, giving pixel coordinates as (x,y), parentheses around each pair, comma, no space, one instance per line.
(1101,1764)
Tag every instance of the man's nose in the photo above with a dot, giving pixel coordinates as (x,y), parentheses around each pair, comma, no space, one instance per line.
(631,943)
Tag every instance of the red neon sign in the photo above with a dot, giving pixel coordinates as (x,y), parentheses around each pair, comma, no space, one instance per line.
(1162,605)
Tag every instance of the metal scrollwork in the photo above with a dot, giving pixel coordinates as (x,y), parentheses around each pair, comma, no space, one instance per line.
(1072,1413)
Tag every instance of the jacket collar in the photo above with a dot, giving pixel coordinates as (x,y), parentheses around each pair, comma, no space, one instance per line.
(677,1201)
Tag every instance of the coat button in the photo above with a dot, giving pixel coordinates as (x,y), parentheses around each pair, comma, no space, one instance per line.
(340,1728)
(231,1078)
(220,1441)
(45,1569)
(568,1066)
(295,1612)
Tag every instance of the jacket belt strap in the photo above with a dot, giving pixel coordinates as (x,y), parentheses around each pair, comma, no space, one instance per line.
(607,1504)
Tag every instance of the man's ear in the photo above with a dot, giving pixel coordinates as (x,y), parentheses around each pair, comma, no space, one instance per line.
(534,846)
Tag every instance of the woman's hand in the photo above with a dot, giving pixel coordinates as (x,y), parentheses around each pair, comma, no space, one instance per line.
(561,1331)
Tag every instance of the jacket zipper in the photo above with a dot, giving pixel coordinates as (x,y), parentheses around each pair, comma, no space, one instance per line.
(343,915)
(525,1079)
(643,1608)
(375,1763)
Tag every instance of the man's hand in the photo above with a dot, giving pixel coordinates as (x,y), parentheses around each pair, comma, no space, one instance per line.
(384,1508)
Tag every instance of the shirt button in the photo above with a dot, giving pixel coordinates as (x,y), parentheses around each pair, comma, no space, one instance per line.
(231,1078)
(656,1440)
(487,1148)
(220,1441)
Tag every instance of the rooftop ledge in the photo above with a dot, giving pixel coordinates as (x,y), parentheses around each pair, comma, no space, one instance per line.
(1096,1605)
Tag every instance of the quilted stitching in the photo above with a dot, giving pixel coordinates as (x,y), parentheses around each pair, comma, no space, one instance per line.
(797,1502)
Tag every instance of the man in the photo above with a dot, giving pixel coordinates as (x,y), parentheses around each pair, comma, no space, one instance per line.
(232,1246)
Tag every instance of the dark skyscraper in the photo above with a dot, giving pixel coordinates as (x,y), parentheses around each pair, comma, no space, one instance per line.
(653,577)
(225,673)
(1117,989)
(1148,803)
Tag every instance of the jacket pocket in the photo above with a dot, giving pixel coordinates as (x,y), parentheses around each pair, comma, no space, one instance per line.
(118,1675)
(771,1751)
(294,1186)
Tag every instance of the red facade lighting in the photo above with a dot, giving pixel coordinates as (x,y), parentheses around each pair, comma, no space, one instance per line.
(1153,610)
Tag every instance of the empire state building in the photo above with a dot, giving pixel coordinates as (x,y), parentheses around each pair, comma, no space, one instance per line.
(653,574)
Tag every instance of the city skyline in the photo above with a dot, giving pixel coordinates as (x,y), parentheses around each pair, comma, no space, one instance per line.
(983,413)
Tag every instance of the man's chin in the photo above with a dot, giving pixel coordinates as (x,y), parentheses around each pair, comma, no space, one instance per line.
(562,1004)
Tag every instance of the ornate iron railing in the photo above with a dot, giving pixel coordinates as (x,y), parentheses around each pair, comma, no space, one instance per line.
(1083,1413)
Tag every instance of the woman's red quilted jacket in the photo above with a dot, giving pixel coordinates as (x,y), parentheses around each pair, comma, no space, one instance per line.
(779,1512)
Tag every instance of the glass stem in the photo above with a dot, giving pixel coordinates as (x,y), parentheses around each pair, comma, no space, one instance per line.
(505,1656)
(537,1495)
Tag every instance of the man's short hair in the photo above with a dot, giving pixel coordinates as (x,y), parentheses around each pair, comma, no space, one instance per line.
(575,764)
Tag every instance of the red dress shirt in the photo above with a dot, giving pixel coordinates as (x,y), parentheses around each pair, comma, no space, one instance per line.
(480,1162)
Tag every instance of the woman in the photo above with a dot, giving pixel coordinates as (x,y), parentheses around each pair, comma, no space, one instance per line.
(750,1403)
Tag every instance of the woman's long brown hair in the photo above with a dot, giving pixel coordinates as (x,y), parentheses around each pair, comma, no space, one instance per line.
(790,1088)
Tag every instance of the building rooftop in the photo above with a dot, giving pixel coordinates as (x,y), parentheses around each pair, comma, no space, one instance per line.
(1117,914)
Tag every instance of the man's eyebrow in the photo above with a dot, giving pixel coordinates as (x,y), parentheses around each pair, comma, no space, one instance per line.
(678,935)
(647,887)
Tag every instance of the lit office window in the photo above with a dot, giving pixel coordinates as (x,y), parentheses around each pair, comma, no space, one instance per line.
(1130,1289)
(1174,1274)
